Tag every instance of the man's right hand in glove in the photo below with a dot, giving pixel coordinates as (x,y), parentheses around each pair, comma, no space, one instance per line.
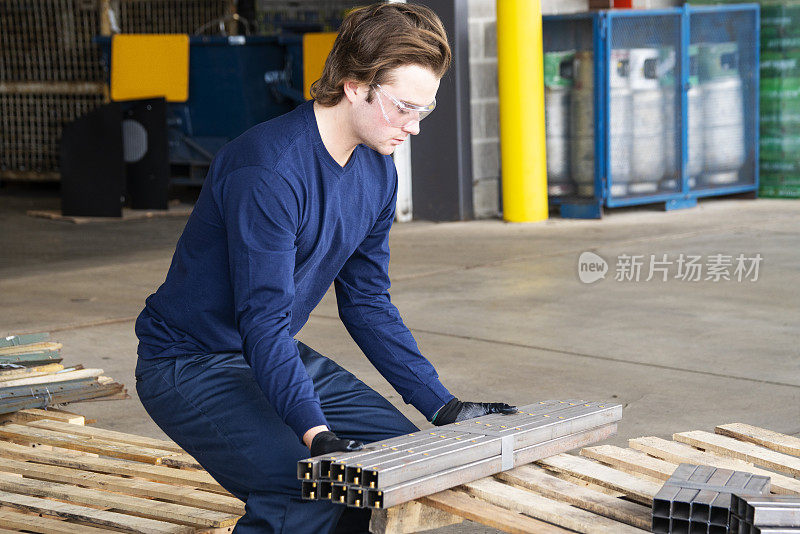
(326,442)
(455,411)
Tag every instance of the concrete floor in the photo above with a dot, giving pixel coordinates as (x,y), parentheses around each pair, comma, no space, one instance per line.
(498,308)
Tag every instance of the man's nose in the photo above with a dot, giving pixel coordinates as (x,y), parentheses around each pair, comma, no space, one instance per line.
(412,128)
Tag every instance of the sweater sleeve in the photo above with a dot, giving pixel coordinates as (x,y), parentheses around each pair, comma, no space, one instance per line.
(365,308)
(261,215)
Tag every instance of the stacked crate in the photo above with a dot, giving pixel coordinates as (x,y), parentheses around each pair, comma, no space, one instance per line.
(780,99)
(779,175)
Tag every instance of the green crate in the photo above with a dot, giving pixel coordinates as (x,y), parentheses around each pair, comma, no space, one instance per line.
(771,191)
(783,180)
(780,64)
(779,167)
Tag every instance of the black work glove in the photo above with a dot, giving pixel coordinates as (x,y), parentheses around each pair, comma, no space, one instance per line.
(326,442)
(455,411)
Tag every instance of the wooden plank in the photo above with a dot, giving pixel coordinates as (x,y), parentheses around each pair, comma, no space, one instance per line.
(156,473)
(681,453)
(631,461)
(31,347)
(108,435)
(733,448)
(461,504)
(31,359)
(9,374)
(173,513)
(129,486)
(536,479)
(27,434)
(107,391)
(761,436)
(63,376)
(45,525)
(552,511)
(410,517)
(637,489)
(36,414)
(103,518)
(23,339)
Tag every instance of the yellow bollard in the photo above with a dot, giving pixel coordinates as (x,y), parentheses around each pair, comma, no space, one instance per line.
(520,72)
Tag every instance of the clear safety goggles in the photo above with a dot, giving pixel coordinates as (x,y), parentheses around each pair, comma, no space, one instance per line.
(400,114)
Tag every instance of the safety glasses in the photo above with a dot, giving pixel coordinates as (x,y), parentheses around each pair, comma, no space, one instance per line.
(400,114)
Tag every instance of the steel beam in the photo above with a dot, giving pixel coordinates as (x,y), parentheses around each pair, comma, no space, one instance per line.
(394,495)
(422,463)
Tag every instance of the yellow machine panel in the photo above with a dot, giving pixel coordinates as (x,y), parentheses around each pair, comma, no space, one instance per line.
(148,66)
(316,47)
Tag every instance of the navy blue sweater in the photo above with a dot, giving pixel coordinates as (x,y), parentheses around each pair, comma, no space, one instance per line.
(278,221)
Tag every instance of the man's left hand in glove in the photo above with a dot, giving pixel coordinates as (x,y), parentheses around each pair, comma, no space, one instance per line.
(455,411)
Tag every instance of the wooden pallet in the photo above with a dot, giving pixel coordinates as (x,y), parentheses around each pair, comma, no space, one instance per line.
(605,490)
(59,476)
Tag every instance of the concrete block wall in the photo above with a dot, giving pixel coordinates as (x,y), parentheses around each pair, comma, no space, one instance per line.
(484,98)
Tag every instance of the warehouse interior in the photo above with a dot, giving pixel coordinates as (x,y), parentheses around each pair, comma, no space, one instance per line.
(645,254)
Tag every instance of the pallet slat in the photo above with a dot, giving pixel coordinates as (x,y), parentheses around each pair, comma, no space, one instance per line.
(536,479)
(761,436)
(107,435)
(141,507)
(631,461)
(637,489)
(45,525)
(681,453)
(29,434)
(748,452)
(129,486)
(156,473)
(487,514)
(127,523)
(35,414)
(552,511)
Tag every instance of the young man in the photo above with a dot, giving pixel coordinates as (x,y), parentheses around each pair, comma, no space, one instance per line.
(291,206)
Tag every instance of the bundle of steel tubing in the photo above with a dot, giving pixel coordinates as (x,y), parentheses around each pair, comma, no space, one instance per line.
(393,471)
(697,498)
(774,514)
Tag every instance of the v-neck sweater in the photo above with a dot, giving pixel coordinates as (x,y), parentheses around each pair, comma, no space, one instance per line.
(277,221)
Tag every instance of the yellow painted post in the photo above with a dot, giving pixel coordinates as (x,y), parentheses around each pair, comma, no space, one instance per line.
(520,72)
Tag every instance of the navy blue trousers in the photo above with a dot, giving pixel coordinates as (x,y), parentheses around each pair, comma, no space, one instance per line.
(213,408)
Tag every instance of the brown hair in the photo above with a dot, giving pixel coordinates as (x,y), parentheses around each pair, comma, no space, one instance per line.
(377,38)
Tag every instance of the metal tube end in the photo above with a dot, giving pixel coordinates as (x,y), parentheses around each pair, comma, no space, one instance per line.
(339,493)
(324,490)
(309,490)
(355,497)
(374,499)
(305,469)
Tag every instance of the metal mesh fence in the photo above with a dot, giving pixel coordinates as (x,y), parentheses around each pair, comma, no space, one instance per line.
(49,40)
(308,15)
(644,105)
(30,131)
(725,51)
(169,16)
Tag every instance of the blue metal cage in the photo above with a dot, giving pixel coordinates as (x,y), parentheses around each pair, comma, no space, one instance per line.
(651,106)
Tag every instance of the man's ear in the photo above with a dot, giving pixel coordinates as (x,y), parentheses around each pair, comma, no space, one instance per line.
(352,90)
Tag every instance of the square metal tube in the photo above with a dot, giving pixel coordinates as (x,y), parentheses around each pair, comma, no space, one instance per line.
(423,463)
(440,481)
